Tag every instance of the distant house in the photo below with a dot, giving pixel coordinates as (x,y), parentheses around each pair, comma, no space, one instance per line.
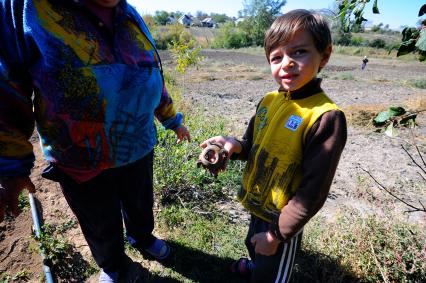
(196,22)
(208,22)
(171,20)
(185,20)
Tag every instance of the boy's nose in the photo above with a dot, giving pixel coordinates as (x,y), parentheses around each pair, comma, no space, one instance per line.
(287,63)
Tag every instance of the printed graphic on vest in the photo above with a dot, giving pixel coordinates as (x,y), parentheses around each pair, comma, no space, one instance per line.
(293,122)
(261,114)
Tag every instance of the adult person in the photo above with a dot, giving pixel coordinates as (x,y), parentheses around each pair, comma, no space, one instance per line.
(88,74)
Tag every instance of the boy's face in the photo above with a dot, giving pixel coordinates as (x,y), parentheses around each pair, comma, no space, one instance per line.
(297,62)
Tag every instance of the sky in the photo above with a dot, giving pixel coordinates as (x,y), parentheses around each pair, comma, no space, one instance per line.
(395,13)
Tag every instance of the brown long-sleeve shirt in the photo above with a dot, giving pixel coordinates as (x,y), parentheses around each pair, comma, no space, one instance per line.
(321,153)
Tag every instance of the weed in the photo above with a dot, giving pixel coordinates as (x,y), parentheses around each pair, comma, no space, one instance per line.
(375,249)
(177,177)
(66,226)
(345,77)
(420,83)
(256,78)
(61,256)
(4,278)
(23,201)
(22,275)
(204,245)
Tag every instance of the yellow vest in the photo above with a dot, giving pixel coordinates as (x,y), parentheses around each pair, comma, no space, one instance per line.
(273,171)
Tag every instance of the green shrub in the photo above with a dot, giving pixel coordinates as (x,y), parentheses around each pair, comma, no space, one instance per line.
(164,36)
(175,166)
(231,37)
(421,83)
(345,77)
(378,43)
(342,39)
(357,41)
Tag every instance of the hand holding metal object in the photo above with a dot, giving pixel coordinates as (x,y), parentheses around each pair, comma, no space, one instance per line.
(213,158)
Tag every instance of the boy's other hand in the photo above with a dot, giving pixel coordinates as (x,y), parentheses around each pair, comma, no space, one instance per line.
(9,193)
(265,243)
(182,133)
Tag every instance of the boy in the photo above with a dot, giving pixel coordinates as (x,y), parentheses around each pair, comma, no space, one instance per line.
(292,146)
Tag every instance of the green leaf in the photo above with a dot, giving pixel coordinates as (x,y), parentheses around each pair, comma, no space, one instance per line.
(409,33)
(406,47)
(385,116)
(421,42)
(381,118)
(391,131)
(422,10)
(396,111)
(375,8)
(409,120)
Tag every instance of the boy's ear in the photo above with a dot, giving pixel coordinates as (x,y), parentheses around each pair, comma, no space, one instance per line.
(326,56)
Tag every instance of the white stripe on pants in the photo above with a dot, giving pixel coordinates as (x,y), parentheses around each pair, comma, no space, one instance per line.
(287,260)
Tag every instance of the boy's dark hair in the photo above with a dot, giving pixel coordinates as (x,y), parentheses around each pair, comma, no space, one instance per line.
(285,26)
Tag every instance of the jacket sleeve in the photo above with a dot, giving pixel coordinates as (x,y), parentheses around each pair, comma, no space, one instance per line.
(16,110)
(322,150)
(165,111)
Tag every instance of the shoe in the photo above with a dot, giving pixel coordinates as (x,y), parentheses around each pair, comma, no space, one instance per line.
(159,249)
(129,272)
(110,277)
(242,267)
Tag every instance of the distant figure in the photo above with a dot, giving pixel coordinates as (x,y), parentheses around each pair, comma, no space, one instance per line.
(364,63)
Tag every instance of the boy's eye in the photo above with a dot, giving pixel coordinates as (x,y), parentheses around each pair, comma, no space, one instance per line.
(299,52)
(275,58)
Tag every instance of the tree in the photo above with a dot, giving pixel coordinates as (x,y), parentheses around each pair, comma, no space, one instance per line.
(219,18)
(201,15)
(160,17)
(260,14)
(413,39)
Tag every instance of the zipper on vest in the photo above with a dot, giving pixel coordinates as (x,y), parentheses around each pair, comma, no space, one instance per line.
(286,95)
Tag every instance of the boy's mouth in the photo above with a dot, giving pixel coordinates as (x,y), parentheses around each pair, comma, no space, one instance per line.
(288,77)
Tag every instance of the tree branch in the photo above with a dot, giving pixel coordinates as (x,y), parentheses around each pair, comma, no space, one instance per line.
(414,209)
(406,151)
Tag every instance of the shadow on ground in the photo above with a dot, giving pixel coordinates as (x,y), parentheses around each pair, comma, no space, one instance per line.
(197,266)
(314,267)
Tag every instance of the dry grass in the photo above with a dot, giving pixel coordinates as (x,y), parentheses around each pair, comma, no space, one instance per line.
(220,71)
(361,115)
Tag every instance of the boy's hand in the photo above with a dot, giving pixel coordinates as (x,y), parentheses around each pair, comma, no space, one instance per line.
(227,146)
(182,133)
(265,243)
(230,144)
(9,193)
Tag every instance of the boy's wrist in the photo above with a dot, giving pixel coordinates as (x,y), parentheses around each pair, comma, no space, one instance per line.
(239,146)
(274,230)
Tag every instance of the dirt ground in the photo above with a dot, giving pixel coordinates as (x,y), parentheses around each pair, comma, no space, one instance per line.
(230,84)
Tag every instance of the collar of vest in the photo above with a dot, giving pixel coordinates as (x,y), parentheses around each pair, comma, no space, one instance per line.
(309,89)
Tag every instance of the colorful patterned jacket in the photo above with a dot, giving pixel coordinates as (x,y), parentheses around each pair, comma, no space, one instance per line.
(92,93)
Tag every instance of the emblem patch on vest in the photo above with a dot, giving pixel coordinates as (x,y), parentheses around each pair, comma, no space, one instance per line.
(293,122)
